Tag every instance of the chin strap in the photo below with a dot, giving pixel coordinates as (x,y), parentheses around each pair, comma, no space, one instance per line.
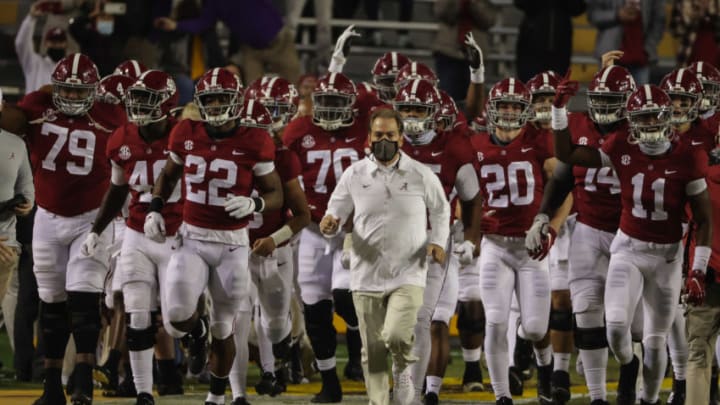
(654,149)
(422,139)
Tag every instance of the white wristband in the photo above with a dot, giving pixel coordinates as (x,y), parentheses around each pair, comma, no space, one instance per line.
(559,119)
(337,63)
(477,76)
(282,235)
(348,241)
(701,257)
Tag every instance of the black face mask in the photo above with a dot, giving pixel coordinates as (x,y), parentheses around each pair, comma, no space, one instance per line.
(384,150)
(56,54)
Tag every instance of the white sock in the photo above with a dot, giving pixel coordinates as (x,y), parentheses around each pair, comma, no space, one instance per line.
(215,399)
(142,367)
(543,356)
(561,361)
(267,359)
(238,372)
(433,383)
(470,355)
(595,367)
(421,350)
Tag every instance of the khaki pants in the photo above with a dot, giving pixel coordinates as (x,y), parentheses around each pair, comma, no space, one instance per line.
(386,325)
(703,324)
(8,296)
(279,57)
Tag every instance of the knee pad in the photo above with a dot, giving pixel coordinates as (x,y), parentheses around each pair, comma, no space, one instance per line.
(320,329)
(534,329)
(469,321)
(591,338)
(55,328)
(561,320)
(84,310)
(655,342)
(221,330)
(345,307)
(139,337)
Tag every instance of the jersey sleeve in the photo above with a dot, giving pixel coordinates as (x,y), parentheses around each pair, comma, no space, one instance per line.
(266,149)
(611,147)
(113,145)
(178,135)
(294,131)
(34,104)
(289,168)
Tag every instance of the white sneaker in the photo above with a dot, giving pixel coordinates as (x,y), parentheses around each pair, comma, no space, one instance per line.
(403,387)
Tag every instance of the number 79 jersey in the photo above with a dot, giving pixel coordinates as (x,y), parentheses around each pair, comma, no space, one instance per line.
(323,157)
(70,169)
(654,191)
(142,163)
(217,169)
(512,177)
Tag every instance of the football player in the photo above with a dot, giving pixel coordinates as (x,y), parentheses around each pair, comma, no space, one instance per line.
(67,132)
(596,195)
(220,162)
(449,156)
(137,152)
(657,177)
(513,159)
(327,143)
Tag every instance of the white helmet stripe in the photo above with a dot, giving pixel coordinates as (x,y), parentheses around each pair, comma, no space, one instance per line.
(393,57)
(511,86)
(331,80)
(648,94)
(414,87)
(136,67)
(75,65)
(413,68)
(546,79)
(680,74)
(250,108)
(267,87)
(605,74)
(700,67)
(213,79)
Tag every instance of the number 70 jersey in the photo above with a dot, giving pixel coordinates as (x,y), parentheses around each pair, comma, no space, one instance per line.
(323,157)
(512,178)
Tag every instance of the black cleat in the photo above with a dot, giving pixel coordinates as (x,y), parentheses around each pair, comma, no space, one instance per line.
(626,382)
(677,395)
(268,385)
(331,392)
(524,358)
(544,387)
(80,398)
(240,401)
(144,398)
(125,389)
(170,389)
(107,378)
(50,399)
(197,347)
(560,382)
(504,401)
(281,349)
(472,378)
(353,371)
(516,382)
(431,398)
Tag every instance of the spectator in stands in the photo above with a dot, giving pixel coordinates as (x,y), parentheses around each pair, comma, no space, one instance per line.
(266,46)
(38,67)
(346,9)
(632,26)
(545,38)
(456,18)
(696,26)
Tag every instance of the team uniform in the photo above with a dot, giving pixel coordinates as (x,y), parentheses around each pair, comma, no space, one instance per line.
(646,253)
(71,173)
(213,251)
(511,181)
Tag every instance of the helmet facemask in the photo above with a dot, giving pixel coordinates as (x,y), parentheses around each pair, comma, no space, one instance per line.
(332,111)
(685,107)
(218,107)
(385,87)
(650,126)
(605,107)
(508,113)
(143,105)
(711,96)
(541,110)
(418,118)
(73,98)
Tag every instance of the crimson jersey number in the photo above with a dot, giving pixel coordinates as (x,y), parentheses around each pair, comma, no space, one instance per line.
(142,180)
(327,158)
(657,188)
(217,187)
(79,143)
(504,189)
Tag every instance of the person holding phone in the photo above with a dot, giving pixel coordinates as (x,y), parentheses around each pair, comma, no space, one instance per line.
(38,66)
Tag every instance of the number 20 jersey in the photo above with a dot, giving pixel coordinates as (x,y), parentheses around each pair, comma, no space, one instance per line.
(216,169)
(324,155)
(142,163)
(70,169)
(512,178)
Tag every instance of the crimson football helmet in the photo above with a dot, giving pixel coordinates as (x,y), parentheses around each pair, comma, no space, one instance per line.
(542,84)
(219,96)
(607,94)
(151,98)
(333,101)
(709,76)
(74,81)
(278,95)
(112,89)
(418,101)
(255,115)
(682,85)
(384,73)
(649,110)
(448,112)
(503,94)
(131,68)
(415,70)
